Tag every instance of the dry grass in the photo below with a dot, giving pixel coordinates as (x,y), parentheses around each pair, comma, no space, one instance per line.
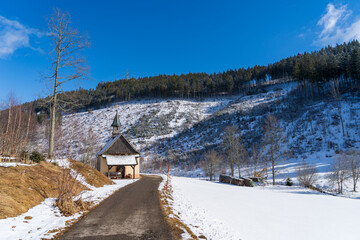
(67,205)
(173,220)
(83,205)
(91,175)
(23,187)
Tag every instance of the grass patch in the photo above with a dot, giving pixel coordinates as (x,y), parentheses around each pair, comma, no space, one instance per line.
(176,225)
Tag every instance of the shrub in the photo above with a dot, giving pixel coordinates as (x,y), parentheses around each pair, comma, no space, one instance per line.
(307,175)
(67,205)
(24,155)
(37,157)
(289,182)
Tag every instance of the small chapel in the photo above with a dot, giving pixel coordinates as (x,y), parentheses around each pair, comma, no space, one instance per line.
(118,158)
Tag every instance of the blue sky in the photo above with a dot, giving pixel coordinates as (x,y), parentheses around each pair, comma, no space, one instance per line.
(165,37)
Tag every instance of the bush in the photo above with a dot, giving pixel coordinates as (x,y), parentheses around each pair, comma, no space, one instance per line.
(37,157)
(24,155)
(307,175)
(289,182)
(67,205)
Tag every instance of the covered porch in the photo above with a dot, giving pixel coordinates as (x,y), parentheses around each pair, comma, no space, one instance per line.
(121,171)
(120,166)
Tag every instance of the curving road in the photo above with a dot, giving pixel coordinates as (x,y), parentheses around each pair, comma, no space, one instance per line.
(133,212)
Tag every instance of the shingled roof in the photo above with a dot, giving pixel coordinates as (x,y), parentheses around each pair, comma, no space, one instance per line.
(118,146)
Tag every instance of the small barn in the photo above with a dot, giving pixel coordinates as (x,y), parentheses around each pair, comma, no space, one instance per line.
(118,158)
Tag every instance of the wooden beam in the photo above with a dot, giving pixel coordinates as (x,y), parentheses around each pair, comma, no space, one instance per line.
(109,167)
(133,167)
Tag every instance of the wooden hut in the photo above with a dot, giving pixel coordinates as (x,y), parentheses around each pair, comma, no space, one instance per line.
(118,158)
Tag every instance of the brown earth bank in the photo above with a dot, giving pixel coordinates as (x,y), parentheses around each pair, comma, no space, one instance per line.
(133,212)
(23,187)
(91,175)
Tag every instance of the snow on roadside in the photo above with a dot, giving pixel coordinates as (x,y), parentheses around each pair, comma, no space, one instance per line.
(221,211)
(39,220)
(46,217)
(195,217)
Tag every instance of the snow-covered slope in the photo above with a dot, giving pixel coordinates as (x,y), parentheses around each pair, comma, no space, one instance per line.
(147,121)
(152,124)
(186,129)
(222,211)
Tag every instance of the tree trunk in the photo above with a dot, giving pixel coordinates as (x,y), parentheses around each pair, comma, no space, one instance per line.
(239,171)
(354,185)
(273,172)
(54,103)
(28,125)
(232,169)
(273,161)
(19,140)
(9,119)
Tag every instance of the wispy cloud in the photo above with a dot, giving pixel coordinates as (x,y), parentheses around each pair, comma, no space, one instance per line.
(14,35)
(338,25)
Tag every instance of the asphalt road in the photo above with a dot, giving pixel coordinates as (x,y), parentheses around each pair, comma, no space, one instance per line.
(133,212)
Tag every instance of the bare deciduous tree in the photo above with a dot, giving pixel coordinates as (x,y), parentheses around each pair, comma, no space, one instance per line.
(17,124)
(211,163)
(66,64)
(242,155)
(273,139)
(352,159)
(90,144)
(337,97)
(307,175)
(231,144)
(340,172)
(256,158)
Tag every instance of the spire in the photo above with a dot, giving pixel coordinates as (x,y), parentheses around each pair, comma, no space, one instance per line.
(116,124)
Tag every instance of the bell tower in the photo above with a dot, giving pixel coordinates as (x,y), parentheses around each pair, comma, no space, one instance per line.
(116,125)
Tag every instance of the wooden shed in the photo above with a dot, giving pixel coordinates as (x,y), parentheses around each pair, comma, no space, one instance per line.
(118,158)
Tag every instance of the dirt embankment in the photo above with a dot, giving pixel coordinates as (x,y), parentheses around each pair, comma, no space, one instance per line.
(23,187)
(91,175)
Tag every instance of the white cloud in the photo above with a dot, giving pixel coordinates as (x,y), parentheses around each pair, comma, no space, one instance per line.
(14,35)
(338,26)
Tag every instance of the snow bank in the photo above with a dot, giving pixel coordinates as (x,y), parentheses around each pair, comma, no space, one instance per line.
(13,164)
(46,217)
(221,211)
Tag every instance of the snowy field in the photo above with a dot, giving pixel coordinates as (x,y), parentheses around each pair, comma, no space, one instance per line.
(222,211)
(43,220)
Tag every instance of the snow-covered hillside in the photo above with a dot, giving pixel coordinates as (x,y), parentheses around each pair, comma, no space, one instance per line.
(145,122)
(222,211)
(186,129)
(187,126)
(153,123)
